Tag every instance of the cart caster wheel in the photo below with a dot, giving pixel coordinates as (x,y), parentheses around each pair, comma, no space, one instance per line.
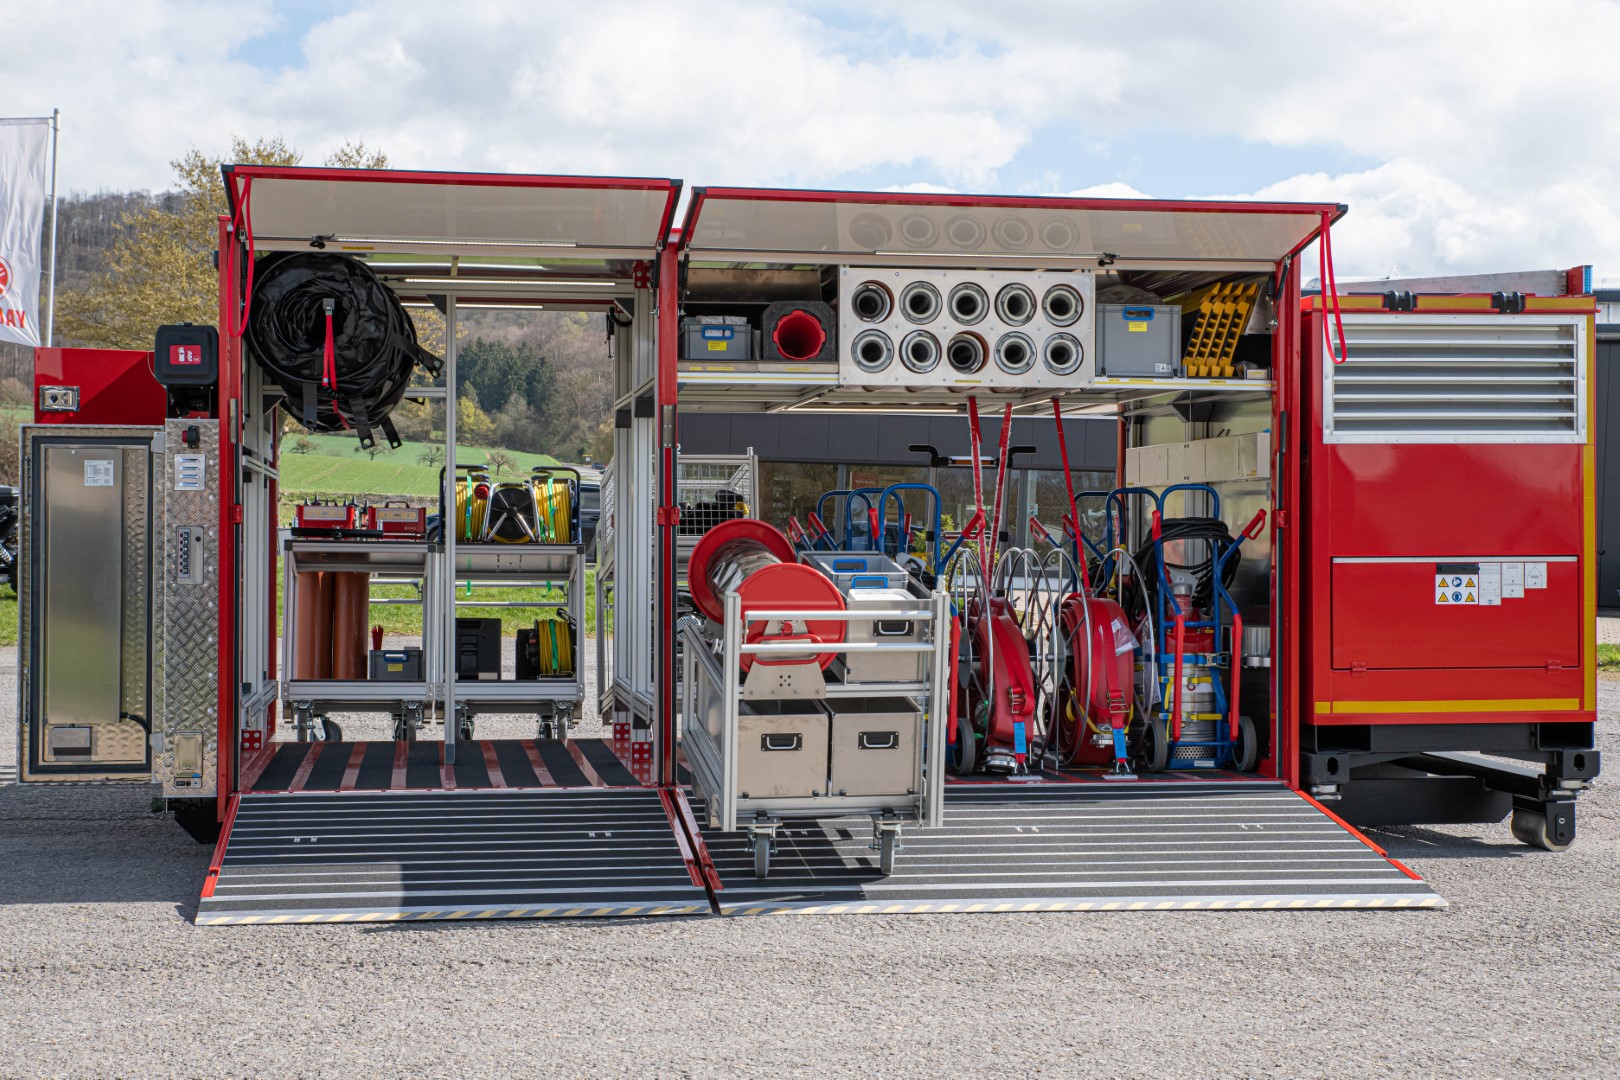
(1246,751)
(1530,828)
(326,730)
(888,844)
(1154,749)
(404,730)
(762,857)
(464,733)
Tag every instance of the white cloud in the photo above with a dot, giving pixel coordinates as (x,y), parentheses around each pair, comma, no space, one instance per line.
(1486,122)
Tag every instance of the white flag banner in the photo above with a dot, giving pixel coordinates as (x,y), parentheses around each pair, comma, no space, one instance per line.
(25,148)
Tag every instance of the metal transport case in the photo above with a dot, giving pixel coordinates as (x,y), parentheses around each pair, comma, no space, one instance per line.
(781,749)
(874,746)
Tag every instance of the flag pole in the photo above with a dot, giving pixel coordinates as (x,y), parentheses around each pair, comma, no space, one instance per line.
(50,302)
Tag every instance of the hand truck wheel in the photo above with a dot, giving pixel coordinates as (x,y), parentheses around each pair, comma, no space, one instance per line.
(1246,750)
(1154,748)
(966,746)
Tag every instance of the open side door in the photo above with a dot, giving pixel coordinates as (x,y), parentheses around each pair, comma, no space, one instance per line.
(742,225)
(361,211)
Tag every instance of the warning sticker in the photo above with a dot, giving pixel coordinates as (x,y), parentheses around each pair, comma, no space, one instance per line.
(1513,580)
(1490,584)
(1456,584)
(98,473)
(1535,575)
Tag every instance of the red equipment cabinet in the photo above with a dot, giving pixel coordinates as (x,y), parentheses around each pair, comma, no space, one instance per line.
(102,386)
(1449,559)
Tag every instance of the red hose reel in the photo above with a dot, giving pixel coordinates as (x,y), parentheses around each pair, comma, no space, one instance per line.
(757,562)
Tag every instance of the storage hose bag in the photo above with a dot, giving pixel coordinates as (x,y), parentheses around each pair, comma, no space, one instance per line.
(373,347)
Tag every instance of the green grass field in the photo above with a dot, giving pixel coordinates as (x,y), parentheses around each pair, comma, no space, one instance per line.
(334,468)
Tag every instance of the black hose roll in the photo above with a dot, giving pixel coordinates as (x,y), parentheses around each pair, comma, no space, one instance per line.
(374,347)
(1213,532)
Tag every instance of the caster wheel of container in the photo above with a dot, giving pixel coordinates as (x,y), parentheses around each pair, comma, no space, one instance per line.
(465,732)
(404,730)
(1155,744)
(327,730)
(888,844)
(1246,751)
(1530,828)
(762,858)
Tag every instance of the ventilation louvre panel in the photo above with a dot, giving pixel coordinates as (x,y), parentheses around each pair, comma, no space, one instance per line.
(1458,378)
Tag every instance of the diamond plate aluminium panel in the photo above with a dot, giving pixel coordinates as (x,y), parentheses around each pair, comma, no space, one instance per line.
(186,616)
(125,738)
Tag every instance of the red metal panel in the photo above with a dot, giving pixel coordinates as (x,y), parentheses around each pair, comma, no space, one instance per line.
(1378,649)
(230,516)
(1451,499)
(116,386)
(1387,615)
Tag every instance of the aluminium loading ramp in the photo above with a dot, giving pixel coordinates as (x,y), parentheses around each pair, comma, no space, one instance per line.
(1142,845)
(395,856)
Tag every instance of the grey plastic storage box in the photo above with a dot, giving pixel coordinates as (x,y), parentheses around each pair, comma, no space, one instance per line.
(1138,341)
(396,665)
(716,337)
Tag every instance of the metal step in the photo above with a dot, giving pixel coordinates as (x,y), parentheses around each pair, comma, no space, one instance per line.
(1076,847)
(380,857)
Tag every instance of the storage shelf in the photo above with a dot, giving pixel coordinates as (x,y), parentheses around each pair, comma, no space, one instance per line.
(360,694)
(481,694)
(540,560)
(374,556)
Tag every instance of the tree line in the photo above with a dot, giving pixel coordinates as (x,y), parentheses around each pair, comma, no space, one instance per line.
(131,261)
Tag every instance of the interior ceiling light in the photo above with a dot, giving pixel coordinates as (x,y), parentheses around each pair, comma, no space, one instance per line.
(480,281)
(1026,255)
(442,241)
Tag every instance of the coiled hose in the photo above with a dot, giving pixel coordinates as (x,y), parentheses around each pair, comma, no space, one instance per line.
(335,339)
(1212,531)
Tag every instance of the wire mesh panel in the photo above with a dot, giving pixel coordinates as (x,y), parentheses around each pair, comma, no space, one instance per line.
(711,490)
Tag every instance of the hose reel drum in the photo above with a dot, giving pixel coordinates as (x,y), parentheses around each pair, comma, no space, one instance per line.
(750,558)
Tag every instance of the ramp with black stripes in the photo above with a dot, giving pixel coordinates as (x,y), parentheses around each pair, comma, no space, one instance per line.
(410,855)
(1077,847)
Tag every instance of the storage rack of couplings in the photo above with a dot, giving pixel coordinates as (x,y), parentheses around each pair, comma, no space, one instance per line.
(412,702)
(541,555)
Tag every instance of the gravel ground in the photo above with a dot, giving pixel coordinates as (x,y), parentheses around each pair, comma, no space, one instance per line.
(102,973)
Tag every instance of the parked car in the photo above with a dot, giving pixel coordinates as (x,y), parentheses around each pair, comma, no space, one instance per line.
(590,512)
(8,537)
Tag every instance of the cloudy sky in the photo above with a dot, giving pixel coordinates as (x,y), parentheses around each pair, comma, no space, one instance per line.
(1467,136)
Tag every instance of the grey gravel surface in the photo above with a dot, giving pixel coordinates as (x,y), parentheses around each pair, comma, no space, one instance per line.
(102,973)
